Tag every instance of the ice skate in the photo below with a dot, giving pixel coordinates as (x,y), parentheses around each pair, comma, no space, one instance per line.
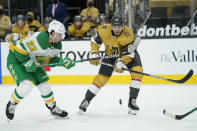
(83,107)
(10,109)
(57,112)
(133,108)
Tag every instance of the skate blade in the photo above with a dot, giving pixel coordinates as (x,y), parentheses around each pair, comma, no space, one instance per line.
(80,112)
(132,112)
(58,117)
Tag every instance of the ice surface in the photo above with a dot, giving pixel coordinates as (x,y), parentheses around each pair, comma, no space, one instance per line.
(104,113)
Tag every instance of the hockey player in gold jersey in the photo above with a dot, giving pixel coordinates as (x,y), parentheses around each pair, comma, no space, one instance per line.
(117,38)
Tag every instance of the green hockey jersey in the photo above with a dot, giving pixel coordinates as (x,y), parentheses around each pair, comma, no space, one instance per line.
(37,48)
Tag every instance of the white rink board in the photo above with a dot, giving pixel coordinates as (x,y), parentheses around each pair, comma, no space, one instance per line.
(159,56)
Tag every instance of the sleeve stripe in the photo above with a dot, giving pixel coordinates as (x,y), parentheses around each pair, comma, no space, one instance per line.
(23,47)
(12,48)
(21,51)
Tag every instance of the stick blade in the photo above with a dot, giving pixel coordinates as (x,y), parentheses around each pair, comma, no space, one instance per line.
(173,116)
(166,113)
(187,77)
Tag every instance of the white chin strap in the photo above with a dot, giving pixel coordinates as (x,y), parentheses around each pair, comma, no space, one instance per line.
(53,38)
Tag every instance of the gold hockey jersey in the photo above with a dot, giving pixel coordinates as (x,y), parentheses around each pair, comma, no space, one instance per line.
(113,44)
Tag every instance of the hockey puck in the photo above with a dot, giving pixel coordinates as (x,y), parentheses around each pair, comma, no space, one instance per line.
(120,101)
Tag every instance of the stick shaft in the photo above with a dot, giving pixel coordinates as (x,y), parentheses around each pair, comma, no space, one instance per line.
(105,57)
(88,59)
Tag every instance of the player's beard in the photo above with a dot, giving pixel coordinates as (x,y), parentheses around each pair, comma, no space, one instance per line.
(117,33)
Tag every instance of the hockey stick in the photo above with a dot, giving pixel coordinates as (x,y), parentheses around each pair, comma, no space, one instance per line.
(131,49)
(102,58)
(184,79)
(83,60)
(178,117)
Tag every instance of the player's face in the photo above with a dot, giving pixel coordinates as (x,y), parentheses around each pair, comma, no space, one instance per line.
(78,24)
(103,22)
(21,23)
(117,30)
(58,38)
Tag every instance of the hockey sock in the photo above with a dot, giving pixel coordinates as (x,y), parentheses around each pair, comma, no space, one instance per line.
(21,91)
(89,95)
(133,92)
(46,93)
(15,98)
(49,99)
(92,91)
(134,88)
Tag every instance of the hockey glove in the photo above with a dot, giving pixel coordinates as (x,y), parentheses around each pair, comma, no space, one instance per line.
(128,58)
(69,63)
(94,54)
(29,65)
(133,47)
(118,66)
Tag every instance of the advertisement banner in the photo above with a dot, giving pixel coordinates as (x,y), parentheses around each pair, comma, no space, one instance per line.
(0,66)
(168,31)
(171,58)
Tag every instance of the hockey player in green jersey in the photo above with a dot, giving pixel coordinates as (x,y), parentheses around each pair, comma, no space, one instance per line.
(23,62)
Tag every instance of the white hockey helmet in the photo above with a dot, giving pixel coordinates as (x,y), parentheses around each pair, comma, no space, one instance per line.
(57,27)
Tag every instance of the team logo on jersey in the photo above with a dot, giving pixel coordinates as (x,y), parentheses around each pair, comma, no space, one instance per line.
(127,34)
(42,59)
